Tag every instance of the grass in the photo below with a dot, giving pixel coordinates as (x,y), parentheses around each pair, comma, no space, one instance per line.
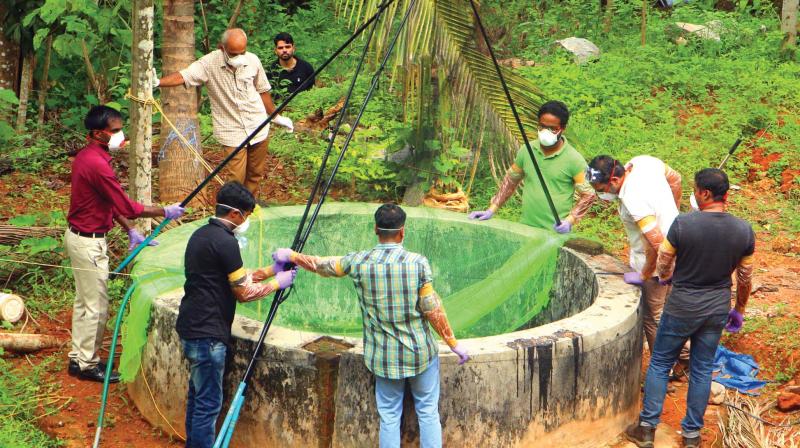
(21,394)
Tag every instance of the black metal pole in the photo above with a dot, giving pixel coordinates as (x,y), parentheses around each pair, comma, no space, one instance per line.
(516,115)
(339,120)
(350,134)
(279,295)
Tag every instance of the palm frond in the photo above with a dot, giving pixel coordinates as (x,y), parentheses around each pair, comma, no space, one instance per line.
(445,29)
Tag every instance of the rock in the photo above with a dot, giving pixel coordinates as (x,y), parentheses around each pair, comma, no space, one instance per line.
(717,395)
(583,49)
(401,156)
(788,402)
(679,32)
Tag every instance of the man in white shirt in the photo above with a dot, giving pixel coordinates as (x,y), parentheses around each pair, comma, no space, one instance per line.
(649,193)
(240,101)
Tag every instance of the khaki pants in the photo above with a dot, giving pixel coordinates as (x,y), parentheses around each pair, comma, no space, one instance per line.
(654,295)
(249,165)
(90,311)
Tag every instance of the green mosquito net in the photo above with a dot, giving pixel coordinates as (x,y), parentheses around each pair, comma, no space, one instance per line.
(493,276)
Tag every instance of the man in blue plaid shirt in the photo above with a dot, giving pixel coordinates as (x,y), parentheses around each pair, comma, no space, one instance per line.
(398,306)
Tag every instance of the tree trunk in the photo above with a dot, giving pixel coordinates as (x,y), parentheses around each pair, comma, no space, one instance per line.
(9,57)
(25,83)
(179,172)
(87,60)
(141,115)
(44,83)
(644,22)
(608,16)
(789,26)
(235,15)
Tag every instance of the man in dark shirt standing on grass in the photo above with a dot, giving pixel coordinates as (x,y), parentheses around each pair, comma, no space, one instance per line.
(706,248)
(215,281)
(96,201)
(289,71)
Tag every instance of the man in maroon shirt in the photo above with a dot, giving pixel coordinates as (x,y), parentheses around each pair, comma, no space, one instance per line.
(97,200)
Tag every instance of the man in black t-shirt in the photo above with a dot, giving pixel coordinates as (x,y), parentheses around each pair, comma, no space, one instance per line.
(215,281)
(705,247)
(288,72)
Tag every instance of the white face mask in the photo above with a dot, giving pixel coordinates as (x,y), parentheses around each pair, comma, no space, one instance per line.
(235,61)
(242,228)
(693,202)
(606,196)
(116,141)
(547,138)
(238,229)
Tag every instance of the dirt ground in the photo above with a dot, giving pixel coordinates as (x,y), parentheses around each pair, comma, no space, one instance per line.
(776,299)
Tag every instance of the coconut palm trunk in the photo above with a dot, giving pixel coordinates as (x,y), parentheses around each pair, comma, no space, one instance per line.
(179,171)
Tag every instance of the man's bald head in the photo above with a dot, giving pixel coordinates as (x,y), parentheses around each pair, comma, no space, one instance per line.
(234,41)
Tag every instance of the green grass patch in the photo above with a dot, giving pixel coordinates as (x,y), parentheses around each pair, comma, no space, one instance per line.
(21,394)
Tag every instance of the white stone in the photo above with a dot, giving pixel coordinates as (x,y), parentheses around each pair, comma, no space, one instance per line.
(708,31)
(583,49)
(717,395)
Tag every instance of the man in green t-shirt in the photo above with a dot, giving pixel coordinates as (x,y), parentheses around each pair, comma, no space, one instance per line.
(563,169)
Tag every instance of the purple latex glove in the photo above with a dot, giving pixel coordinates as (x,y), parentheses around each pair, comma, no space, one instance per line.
(482,215)
(735,321)
(282,255)
(665,282)
(633,278)
(565,226)
(285,278)
(136,239)
(278,267)
(174,211)
(461,351)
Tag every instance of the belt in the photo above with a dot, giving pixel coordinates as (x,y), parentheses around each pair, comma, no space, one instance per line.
(87,234)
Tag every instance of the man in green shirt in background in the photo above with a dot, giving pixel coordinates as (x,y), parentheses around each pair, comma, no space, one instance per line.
(563,169)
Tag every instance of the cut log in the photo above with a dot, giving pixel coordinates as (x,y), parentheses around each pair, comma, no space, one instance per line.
(12,235)
(27,343)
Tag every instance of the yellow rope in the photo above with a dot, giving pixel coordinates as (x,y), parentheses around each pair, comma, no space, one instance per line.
(152,102)
(10,260)
(152,397)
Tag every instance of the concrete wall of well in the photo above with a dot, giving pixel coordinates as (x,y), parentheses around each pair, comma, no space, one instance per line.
(573,382)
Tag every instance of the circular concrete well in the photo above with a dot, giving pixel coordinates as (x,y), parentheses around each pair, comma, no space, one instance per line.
(564,371)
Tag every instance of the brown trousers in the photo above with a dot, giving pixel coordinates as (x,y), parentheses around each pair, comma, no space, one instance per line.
(249,165)
(654,296)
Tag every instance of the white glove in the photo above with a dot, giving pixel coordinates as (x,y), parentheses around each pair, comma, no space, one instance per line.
(286,122)
(154,77)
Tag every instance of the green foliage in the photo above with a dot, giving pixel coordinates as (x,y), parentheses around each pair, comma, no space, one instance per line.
(46,290)
(30,153)
(365,168)
(7,101)
(21,394)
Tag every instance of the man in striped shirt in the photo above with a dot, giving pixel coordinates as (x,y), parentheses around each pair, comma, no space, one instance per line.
(398,305)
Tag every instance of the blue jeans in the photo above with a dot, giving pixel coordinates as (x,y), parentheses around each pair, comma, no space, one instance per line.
(673,332)
(207,362)
(425,389)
